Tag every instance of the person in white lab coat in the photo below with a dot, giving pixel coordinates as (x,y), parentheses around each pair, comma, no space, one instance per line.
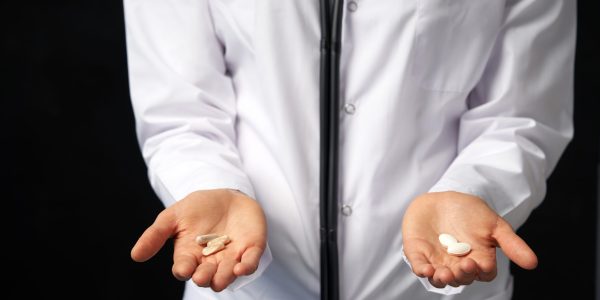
(453,114)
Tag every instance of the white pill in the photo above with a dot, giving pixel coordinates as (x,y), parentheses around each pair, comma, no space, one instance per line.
(203,239)
(221,239)
(459,249)
(215,247)
(447,240)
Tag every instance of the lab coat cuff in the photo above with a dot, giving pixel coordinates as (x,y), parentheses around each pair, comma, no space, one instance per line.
(265,261)
(450,185)
(448,290)
(176,183)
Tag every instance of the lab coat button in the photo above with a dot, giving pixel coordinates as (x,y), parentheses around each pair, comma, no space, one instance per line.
(346,210)
(349,108)
(352,6)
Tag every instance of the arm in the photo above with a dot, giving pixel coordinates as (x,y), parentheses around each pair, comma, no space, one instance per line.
(183,100)
(520,116)
(518,123)
(184,105)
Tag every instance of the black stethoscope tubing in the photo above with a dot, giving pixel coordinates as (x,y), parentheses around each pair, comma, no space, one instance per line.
(331,33)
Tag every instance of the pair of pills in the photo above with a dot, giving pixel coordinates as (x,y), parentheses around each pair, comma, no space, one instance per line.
(214,242)
(453,246)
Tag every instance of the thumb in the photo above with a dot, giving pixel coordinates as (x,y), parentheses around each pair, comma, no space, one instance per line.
(513,246)
(154,237)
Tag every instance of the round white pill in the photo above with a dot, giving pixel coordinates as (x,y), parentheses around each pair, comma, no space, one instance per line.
(447,240)
(459,249)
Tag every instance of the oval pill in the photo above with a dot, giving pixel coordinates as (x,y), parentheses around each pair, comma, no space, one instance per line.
(447,239)
(221,239)
(215,247)
(203,239)
(459,249)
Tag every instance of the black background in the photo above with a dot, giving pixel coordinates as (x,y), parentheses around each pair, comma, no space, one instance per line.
(77,191)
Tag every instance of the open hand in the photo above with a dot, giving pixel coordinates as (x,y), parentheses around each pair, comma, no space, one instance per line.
(211,211)
(469,219)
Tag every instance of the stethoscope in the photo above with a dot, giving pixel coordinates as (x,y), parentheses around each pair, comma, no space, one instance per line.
(331,35)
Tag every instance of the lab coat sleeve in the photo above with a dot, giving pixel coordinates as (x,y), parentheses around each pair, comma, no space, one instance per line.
(519,119)
(183,101)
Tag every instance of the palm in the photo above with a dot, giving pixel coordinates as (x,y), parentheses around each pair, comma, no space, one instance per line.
(470,220)
(225,212)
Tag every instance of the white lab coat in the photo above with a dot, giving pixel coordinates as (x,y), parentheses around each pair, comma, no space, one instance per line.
(470,96)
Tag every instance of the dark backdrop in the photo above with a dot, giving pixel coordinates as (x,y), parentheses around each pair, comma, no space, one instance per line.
(76,189)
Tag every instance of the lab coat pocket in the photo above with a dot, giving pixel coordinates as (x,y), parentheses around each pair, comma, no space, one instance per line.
(453,39)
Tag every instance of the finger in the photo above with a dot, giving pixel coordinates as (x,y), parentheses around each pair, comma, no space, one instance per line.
(486,265)
(443,275)
(204,274)
(154,237)
(224,275)
(249,262)
(514,247)
(486,269)
(436,283)
(420,264)
(468,265)
(487,276)
(185,258)
(184,265)
(464,272)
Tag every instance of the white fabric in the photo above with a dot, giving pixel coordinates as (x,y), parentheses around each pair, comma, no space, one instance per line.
(469,96)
